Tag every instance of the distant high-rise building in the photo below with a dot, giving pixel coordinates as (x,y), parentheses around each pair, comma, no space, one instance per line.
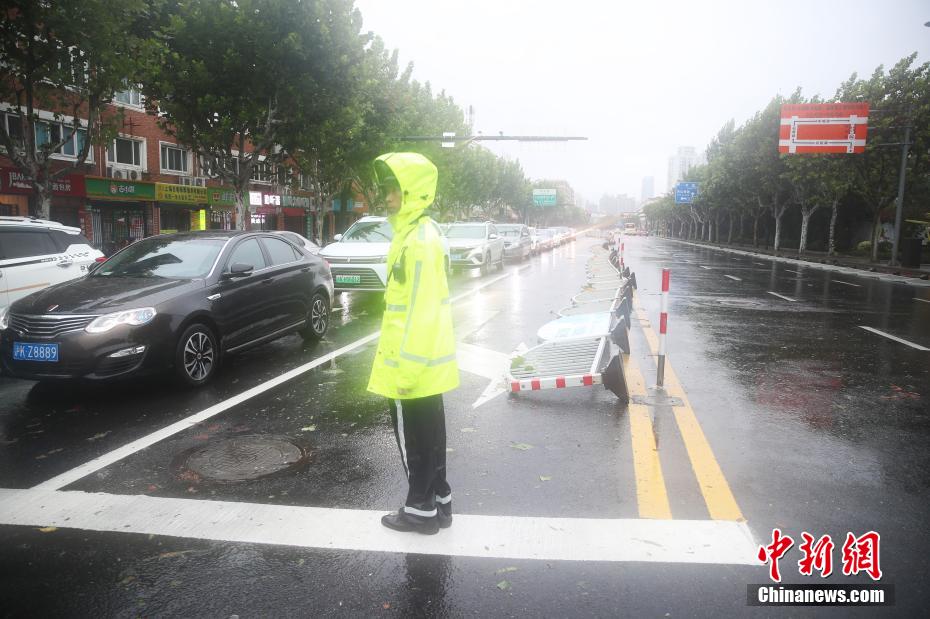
(679,164)
(649,188)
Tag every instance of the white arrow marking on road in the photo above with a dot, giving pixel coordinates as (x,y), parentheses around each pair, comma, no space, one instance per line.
(486,363)
(734,278)
(896,339)
(717,542)
(781,296)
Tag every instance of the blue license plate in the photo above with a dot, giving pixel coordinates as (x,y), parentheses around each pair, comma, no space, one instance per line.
(23,351)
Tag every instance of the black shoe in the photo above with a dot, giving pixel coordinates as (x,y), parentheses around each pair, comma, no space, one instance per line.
(444,515)
(408,523)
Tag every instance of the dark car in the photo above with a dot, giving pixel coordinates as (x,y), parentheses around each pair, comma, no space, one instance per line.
(518,244)
(179,301)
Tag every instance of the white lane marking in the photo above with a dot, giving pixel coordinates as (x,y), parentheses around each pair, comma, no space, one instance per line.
(704,267)
(502,537)
(480,361)
(922,300)
(79,472)
(734,278)
(761,264)
(781,296)
(792,271)
(836,281)
(892,337)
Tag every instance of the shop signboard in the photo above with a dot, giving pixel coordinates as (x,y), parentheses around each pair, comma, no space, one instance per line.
(13,181)
(221,197)
(180,194)
(114,189)
(292,201)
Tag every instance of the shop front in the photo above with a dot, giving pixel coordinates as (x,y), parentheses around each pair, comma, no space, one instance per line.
(182,208)
(222,203)
(118,212)
(67,196)
(298,218)
(266,211)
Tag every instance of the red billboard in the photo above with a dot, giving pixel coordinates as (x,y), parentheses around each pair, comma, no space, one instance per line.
(823,128)
(12,180)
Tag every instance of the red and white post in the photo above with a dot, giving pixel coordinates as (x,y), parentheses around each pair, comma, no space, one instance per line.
(663,329)
(622,245)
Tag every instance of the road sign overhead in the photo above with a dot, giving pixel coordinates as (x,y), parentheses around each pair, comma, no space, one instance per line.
(823,128)
(685,193)
(545,197)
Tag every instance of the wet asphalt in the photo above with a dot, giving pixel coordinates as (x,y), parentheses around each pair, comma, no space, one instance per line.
(817,424)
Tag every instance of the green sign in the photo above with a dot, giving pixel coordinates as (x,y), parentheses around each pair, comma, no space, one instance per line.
(545,197)
(114,189)
(221,196)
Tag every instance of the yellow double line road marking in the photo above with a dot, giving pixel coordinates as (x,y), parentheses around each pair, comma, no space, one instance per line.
(650,483)
(717,495)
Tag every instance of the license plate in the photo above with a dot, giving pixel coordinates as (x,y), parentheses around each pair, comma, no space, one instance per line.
(23,351)
(348,279)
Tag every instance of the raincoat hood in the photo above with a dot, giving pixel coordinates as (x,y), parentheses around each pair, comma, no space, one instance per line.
(417,177)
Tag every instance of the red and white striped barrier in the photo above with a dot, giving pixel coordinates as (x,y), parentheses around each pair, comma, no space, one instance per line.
(557,382)
(663,329)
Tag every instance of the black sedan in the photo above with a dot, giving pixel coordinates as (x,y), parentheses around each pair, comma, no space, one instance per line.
(179,301)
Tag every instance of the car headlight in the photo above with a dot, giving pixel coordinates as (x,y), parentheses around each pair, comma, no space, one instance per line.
(4,317)
(135,318)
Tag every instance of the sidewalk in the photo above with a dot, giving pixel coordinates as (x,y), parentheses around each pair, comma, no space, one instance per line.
(849,264)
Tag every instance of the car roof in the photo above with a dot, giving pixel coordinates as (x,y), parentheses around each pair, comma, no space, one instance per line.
(33,222)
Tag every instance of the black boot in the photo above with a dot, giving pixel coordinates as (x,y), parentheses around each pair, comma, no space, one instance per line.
(408,523)
(444,515)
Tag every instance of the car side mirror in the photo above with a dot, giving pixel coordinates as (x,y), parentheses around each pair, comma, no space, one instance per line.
(492,237)
(93,267)
(238,269)
(337,238)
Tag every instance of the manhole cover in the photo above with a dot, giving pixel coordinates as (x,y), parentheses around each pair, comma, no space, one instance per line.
(654,400)
(244,457)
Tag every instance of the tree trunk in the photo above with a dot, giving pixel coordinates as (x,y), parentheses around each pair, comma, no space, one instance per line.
(876,232)
(242,210)
(717,232)
(730,233)
(742,226)
(755,230)
(805,220)
(831,244)
(43,200)
(777,243)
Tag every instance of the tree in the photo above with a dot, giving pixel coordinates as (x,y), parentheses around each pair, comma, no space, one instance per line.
(66,58)
(243,81)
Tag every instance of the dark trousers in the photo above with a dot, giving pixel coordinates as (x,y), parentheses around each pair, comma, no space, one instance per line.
(420,429)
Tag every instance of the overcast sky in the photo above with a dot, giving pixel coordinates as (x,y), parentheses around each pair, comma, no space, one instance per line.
(638,79)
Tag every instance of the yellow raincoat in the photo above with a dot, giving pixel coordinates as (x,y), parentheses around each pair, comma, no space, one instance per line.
(416,351)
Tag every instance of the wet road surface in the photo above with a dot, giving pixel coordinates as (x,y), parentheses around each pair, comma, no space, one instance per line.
(809,422)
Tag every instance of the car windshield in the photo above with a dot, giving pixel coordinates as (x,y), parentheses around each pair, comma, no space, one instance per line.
(466,232)
(368,232)
(511,231)
(164,257)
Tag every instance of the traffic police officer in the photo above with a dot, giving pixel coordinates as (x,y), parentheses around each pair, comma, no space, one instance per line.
(415,361)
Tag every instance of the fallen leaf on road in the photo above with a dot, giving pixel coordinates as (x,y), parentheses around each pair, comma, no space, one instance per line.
(468,429)
(308,429)
(48,529)
(504,570)
(173,554)
(503,585)
(521,446)
(386,606)
(98,436)
(545,478)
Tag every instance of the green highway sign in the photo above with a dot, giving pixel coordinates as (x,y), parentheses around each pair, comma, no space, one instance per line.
(544,197)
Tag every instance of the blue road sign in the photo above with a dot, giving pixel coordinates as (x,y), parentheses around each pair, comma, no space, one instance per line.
(685,193)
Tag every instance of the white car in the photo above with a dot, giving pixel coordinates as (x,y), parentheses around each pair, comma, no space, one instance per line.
(36,253)
(475,245)
(358,258)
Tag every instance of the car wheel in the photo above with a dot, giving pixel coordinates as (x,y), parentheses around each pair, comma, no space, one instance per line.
(196,357)
(317,319)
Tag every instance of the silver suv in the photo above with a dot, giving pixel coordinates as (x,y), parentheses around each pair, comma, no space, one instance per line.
(36,253)
(475,245)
